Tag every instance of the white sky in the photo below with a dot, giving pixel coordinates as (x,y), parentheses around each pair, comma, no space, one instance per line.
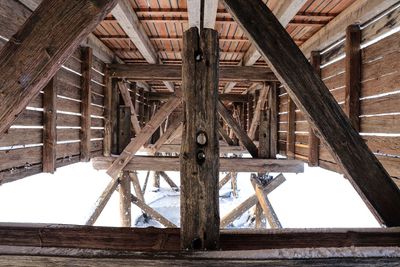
(317,198)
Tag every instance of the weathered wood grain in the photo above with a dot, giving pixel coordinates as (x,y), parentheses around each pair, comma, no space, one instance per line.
(125,199)
(311,96)
(49,127)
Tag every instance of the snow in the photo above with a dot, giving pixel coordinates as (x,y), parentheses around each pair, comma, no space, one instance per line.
(316,198)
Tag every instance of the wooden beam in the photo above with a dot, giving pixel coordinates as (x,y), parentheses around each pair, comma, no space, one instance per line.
(28,63)
(102,201)
(224,180)
(49,126)
(152,212)
(128,101)
(238,211)
(157,96)
(195,12)
(313,140)
(87,58)
(210,13)
(273,108)
(176,148)
(143,136)
(107,140)
(359,12)
(199,161)
(125,200)
(174,72)
(264,147)
(225,136)
(226,164)
(257,112)
(239,132)
(353,75)
(291,127)
(173,125)
(169,181)
(168,240)
(285,10)
(136,185)
(320,108)
(130,23)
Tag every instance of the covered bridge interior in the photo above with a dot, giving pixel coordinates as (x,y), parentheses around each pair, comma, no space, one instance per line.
(202,87)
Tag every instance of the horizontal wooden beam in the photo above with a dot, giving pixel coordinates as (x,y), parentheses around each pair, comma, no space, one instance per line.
(168,239)
(226,164)
(223,97)
(176,148)
(159,72)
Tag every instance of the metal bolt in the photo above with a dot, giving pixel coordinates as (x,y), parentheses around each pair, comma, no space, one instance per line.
(201,138)
(201,155)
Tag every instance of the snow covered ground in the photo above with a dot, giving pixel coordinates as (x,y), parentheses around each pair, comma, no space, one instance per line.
(316,198)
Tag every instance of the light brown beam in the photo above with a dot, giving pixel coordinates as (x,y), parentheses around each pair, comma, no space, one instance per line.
(257,112)
(128,101)
(238,211)
(102,201)
(37,51)
(224,180)
(136,185)
(239,132)
(225,136)
(49,126)
(175,148)
(313,98)
(86,92)
(130,23)
(273,108)
(226,164)
(291,127)
(173,124)
(145,72)
(155,96)
(169,181)
(125,200)
(144,135)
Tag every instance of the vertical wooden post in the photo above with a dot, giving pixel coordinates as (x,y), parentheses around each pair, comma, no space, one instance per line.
(87,58)
(107,113)
(200,151)
(125,199)
(114,116)
(249,111)
(313,140)
(290,142)
(353,75)
(124,127)
(273,115)
(264,148)
(49,126)
(156,182)
(141,107)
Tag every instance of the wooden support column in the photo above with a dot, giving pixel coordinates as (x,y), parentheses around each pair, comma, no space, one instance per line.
(107,141)
(114,116)
(37,51)
(200,150)
(353,75)
(313,98)
(125,199)
(174,123)
(264,148)
(313,140)
(262,97)
(124,127)
(290,141)
(87,58)
(273,109)
(49,127)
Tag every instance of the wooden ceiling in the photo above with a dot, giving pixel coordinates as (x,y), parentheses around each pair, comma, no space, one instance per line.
(165,21)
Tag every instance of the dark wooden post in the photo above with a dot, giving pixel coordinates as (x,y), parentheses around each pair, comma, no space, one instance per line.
(200,150)
(125,199)
(107,113)
(290,141)
(124,127)
(264,148)
(313,140)
(311,95)
(353,75)
(273,109)
(49,126)
(114,116)
(87,58)
(141,107)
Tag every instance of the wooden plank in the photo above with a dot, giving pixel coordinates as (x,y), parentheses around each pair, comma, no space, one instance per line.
(199,163)
(136,185)
(49,127)
(173,124)
(107,113)
(291,127)
(353,75)
(264,147)
(128,102)
(226,164)
(25,58)
(358,12)
(383,144)
(174,72)
(273,107)
(257,111)
(239,132)
(238,211)
(311,96)
(14,137)
(143,136)
(380,105)
(313,140)
(20,157)
(87,59)
(380,124)
(125,199)
(169,181)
